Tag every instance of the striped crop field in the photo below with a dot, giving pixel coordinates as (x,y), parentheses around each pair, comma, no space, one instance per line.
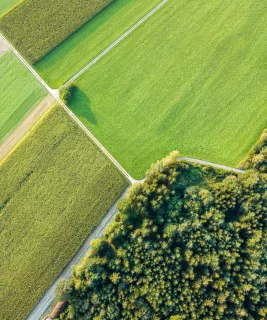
(55,188)
(20,93)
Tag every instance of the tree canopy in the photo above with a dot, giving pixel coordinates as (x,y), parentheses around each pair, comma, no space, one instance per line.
(188,243)
(66,92)
(257,158)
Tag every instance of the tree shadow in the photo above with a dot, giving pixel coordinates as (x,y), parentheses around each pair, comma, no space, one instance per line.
(81,106)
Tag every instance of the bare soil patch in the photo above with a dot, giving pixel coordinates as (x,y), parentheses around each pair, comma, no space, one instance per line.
(25,126)
(3,47)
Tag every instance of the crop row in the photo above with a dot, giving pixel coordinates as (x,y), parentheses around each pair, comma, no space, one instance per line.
(35,27)
(55,187)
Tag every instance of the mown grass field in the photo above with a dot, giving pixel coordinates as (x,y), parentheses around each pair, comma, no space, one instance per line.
(35,27)
(6,5)
(68,58)
(192,78)
(55,187)
(19,93)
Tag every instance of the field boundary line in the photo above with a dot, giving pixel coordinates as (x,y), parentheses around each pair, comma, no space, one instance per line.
(81,125)
(48,297)
(24,127)
(116,42)
(54,93)
(212,164)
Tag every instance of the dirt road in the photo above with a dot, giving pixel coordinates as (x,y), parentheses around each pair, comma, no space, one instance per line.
(10,142)
(3,47)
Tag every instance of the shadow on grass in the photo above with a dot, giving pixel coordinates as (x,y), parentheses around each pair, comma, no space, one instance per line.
(80,105)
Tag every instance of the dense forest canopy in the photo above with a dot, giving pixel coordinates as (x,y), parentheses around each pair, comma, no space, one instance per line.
(189,243)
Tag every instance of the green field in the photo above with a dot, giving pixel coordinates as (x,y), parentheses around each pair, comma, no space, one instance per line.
(20,92)
(35,27)
(6,5)
(55,187)
(192,78)
(84,45)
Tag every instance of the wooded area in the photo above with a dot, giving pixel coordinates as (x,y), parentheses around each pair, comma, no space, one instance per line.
(189,243)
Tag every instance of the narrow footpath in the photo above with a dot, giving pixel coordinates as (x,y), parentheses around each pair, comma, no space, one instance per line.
(116,42)
(212,164)
(49,296)
(54,93)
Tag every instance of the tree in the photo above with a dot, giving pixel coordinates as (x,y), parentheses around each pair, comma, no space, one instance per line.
(257,158)
(66,92)
(189,243)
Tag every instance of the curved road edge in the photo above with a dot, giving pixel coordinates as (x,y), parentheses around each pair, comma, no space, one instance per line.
(212,164)
(49,296)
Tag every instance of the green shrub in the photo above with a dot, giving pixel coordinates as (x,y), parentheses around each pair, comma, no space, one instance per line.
(186,246)
(35,27)
(66,92)
(257,158)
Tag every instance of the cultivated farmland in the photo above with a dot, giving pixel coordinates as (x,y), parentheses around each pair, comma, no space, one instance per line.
(178,237)
(19,93)
(35,27)
(7,5)
(55,187)
(192,78)
(85,44)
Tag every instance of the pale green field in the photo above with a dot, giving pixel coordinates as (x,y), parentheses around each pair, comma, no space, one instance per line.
(20,92)
(84,45)
(35,27)
(192,78)
(6,5)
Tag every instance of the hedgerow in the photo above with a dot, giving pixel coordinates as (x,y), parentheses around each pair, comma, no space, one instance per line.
(55,188)
(35,27)
(184,245)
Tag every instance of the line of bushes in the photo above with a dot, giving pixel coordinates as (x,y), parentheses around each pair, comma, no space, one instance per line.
(35,27)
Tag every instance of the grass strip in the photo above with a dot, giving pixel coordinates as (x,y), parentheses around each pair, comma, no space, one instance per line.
(191,78)
(20,92)
(69,57)
(35,27)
